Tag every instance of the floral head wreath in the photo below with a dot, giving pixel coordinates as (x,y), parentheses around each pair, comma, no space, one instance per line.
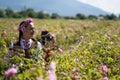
(24,24)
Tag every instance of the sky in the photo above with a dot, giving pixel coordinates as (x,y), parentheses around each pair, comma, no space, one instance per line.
(112,6)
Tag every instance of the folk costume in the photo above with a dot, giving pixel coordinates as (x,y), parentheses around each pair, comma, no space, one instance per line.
(48,42)
(29,48)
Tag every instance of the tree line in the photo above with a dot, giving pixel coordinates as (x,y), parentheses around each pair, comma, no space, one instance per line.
(9,13)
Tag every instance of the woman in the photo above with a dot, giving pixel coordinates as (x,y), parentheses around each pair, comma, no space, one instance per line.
(48,42)
(25,42)
(26,32)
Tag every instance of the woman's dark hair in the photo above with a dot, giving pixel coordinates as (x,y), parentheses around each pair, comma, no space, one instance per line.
(43,36)
(20,33)
(46,36)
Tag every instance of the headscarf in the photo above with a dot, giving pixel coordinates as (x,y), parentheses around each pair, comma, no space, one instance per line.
(24,24)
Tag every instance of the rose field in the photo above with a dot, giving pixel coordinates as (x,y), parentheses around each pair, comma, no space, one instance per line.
(85,50)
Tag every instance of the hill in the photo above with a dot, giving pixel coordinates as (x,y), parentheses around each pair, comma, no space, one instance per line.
(62,7)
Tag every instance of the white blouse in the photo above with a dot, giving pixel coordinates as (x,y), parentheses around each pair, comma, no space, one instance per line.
(28,44)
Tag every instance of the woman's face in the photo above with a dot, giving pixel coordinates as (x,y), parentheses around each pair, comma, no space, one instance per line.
(29,30)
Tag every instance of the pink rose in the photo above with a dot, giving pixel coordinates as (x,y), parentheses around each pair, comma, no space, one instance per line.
(74,77)
(52,66)
(60,50)
(75,69)
(39,78)
(104,69)
(11,71)
(105,78)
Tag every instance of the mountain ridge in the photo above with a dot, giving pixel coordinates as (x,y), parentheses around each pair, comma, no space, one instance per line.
(62,7)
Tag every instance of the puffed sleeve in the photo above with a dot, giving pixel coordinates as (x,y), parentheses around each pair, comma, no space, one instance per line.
(39,45)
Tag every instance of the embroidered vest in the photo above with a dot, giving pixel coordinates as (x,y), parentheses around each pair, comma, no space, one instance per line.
(17,50)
